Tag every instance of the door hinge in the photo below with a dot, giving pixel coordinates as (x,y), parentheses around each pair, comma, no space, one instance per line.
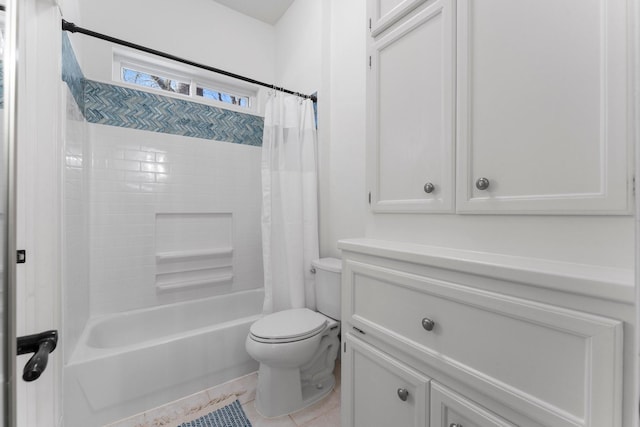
(369,61)
(345,346)
(369,197)
(369,24)
(633,183)
(21,256)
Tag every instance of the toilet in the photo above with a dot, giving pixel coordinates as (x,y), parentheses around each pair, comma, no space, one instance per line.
(297,348)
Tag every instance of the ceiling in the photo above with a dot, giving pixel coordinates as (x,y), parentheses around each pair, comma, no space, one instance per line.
(268,11)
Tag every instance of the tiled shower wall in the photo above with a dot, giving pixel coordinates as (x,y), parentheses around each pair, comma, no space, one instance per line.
(137,175)
(120,176)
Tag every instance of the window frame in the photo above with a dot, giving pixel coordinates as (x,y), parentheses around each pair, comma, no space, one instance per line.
(195,77)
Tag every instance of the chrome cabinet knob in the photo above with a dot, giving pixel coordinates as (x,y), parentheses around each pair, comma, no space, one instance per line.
(482,183)
(428,324)
(403,394)
(429,187)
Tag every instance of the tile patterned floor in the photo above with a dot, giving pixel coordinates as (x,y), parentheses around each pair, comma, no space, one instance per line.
(325,413)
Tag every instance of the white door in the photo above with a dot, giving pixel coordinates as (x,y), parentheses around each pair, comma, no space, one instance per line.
(7,242)
(38,211)
(381,391)
(384,13)
(450,409)
(542,107)
(410,113)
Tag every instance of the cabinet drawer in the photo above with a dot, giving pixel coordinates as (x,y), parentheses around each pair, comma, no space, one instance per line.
(381,391)
(449,409)
(561,366)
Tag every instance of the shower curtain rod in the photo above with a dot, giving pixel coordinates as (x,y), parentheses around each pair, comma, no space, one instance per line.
(73,28)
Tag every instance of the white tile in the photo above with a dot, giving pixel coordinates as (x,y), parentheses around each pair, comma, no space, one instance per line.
(127,165)
(164,173)
(258,421)
(154,167)
(314,411)
(178,409)
(135,421)
(131,176)
(244,388)
(328,419)
(143,156)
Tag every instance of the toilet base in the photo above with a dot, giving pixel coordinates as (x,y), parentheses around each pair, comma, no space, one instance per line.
(313,393)
(280,392)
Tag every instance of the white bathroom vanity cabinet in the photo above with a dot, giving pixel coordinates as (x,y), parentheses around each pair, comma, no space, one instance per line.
(491,107)
(496,106)
(443,337)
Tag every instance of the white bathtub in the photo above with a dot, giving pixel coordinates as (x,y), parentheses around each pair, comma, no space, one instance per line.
(130,362)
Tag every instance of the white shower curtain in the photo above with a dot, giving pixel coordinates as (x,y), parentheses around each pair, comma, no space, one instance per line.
(289,203)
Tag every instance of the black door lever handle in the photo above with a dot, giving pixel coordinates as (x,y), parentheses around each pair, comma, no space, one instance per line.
(41,344)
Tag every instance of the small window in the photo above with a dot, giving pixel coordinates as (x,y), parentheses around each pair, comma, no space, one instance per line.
(181,80)
(242,101)
(155,82)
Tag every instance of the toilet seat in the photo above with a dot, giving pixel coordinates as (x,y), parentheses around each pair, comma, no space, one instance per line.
(288,326)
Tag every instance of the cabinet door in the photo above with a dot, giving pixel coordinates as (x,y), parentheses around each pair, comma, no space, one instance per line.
(542,106)
(410,114)
(449,409)
(384,13)
(377,390)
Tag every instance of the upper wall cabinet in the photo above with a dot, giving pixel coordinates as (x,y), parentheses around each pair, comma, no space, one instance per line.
(537,94)
(411,110)
(542,120)
(384,13)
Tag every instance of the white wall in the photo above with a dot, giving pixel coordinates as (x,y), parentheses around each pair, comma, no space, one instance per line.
(302,52)
(606,241)
(199,30)
(298,41)
(344,210)
(39,210)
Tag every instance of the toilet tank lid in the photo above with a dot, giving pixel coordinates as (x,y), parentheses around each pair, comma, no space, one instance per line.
(328,264)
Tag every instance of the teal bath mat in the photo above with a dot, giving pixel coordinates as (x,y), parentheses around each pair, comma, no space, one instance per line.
(230,415)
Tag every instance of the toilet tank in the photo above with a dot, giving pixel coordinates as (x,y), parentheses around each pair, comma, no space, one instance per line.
(328,286)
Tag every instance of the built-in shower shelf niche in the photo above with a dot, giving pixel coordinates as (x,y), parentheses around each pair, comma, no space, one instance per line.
(193,250)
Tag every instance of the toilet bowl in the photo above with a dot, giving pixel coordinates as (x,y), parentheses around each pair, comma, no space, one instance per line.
(297,349)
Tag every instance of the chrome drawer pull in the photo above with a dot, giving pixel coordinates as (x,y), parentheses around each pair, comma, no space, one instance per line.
(428,324)
(455,425)
(403,394)
(429,187)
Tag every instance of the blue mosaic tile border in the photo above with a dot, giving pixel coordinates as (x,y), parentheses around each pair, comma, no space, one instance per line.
(125,107)
(71,71)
